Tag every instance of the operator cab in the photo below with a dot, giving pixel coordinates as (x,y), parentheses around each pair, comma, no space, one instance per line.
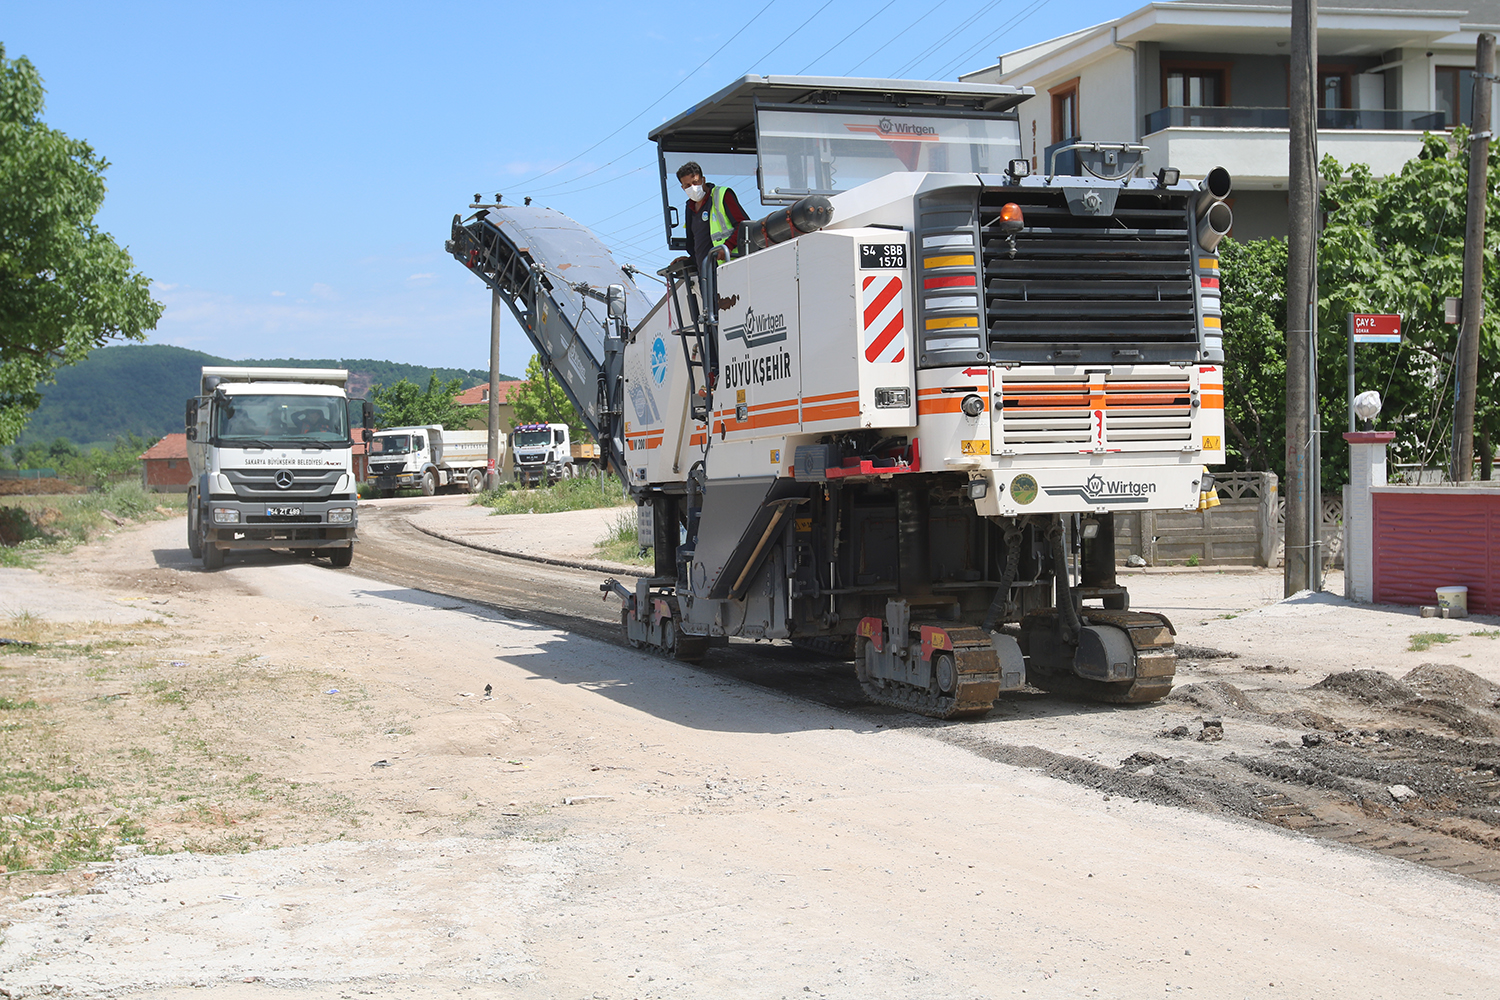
(778,139)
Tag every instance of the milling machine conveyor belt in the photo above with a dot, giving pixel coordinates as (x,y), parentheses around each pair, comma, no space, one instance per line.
(543,265)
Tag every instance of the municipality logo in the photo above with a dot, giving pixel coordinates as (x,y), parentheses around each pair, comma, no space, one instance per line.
(659,361)
(758,328)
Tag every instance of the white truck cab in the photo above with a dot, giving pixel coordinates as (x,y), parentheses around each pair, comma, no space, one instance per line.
(543,453)
(271,451)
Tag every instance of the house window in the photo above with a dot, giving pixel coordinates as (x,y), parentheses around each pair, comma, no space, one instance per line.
(1065,111)
(171,463)
(1195,85)
(1455,94)
(1334,88)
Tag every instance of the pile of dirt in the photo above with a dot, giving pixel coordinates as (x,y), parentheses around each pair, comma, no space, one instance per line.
(1450,683)
(37,487)
(1214,697)
(1369,686)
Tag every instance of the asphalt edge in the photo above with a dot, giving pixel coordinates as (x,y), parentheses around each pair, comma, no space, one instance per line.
(619,569)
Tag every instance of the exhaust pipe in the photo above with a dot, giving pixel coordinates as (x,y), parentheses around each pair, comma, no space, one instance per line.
(1214,225)
(1214,187)
(806,216)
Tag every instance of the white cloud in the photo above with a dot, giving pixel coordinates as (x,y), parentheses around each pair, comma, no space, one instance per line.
(324,292)
(278,295)
(420,277)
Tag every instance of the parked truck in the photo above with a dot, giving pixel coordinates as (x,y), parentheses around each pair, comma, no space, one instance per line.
(430,459)
(896,424)
(546,453)
(271,454)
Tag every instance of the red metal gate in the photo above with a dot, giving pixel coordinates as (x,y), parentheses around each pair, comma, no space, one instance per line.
(1439,536)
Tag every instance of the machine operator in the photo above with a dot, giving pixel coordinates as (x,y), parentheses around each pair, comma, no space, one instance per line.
(713,217)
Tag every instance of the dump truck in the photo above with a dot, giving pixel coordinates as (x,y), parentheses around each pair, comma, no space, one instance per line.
(543,453)
(896,425)
(429,458)
(271,455)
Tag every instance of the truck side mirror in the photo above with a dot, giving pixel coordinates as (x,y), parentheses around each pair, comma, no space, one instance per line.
(368,415)
(190,419)
(615,295)
(368,435)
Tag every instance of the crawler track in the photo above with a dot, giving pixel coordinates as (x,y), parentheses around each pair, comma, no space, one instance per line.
(977,680)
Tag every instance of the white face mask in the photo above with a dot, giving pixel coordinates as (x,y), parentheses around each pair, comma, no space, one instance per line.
(695,193)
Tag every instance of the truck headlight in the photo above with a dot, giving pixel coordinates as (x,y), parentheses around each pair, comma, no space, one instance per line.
(340,515)
(226,515)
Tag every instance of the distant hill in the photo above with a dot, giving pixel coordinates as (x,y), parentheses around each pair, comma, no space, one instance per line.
(140,389)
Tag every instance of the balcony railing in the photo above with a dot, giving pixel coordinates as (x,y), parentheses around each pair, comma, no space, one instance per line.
(1328,118)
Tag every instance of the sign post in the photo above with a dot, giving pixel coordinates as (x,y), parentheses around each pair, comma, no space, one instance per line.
(1365,328)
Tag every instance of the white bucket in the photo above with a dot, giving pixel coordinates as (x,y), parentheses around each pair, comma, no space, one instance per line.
(1455,600)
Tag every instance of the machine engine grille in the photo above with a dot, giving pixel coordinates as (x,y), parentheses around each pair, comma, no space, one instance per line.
(1089,288)
(1141,409)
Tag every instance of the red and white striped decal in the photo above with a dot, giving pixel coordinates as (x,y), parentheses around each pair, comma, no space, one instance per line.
(884,318)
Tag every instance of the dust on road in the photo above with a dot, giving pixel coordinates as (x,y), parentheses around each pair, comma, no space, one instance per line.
(608,824)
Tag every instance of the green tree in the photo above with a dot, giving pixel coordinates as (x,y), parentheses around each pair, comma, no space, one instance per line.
(405,405)
(65,286)
(540,400)
(1390,244)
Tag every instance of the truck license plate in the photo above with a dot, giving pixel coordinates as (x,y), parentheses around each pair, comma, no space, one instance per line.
(283,511)
(875,255)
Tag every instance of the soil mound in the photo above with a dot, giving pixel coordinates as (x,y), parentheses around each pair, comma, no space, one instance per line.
(1446,682)
(1216,697)
(37,487)
(1369,686)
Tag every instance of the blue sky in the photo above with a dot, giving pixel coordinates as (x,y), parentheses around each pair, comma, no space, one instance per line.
(286,172)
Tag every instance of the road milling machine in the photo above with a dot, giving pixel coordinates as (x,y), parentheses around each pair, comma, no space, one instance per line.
(897,425)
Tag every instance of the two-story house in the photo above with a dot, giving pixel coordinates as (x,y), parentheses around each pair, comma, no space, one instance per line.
(1206,83)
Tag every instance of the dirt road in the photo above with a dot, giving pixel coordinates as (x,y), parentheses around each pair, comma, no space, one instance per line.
(607,824)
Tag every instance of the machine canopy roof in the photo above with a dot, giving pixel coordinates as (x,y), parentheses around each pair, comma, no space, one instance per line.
(725,122)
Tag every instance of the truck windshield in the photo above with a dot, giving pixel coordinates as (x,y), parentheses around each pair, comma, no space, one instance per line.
(806,152)
(391,444)
(530,439)
(284,421)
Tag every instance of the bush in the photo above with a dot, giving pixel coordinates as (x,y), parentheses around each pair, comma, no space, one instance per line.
(570,494)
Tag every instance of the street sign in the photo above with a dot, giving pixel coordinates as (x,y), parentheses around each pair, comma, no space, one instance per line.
(1375,329)
(1369,328)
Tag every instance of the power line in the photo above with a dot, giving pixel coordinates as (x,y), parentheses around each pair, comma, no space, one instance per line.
(630,209)
(962,24)
(896,35)
(789,35)
(663,97)
(1005,29)
(573,180)
(873,18)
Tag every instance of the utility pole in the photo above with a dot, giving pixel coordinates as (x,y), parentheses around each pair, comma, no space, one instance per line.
(1473,292)
(1302,562)
(492,475)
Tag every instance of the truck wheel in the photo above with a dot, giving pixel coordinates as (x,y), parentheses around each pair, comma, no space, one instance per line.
(213,556)
(476,481)
(429,483)
(341,558)
(195,541)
